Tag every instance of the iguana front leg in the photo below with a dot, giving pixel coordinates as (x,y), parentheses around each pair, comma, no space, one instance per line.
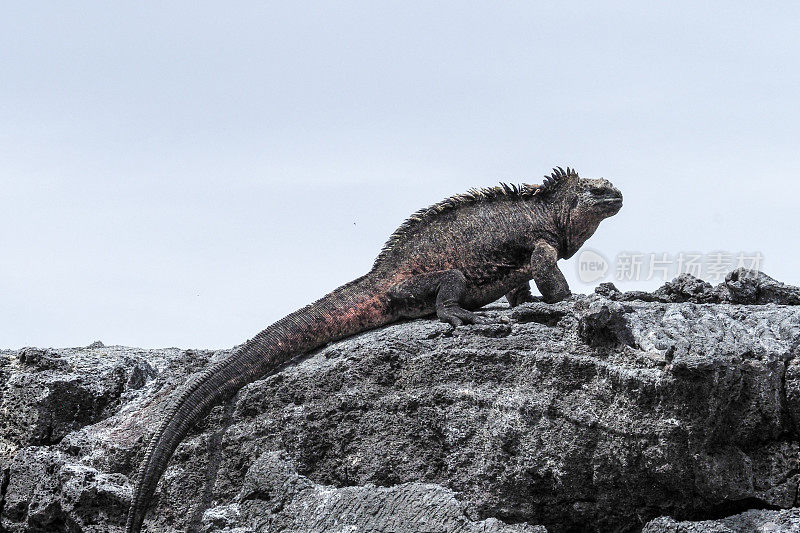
(548,277)
(447,286)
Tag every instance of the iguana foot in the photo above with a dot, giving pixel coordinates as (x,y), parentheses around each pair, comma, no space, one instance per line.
(520,295)
(456,316)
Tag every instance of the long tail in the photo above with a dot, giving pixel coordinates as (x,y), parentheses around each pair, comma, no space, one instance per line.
(352,308)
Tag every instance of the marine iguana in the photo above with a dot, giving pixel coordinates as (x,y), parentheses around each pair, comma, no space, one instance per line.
(449,259)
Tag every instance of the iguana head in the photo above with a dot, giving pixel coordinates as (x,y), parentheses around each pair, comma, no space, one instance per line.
(582,204)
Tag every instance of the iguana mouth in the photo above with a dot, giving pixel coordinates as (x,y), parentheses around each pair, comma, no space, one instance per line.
(611,201)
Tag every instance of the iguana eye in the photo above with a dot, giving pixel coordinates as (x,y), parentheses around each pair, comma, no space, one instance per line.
(598,191)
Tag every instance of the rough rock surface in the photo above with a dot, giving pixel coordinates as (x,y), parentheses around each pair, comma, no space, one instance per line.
(748,522)
(675,411)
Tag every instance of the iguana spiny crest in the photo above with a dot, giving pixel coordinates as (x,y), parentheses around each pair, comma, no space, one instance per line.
(576,206)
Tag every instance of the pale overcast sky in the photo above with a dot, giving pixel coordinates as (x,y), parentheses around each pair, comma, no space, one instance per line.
(185,173)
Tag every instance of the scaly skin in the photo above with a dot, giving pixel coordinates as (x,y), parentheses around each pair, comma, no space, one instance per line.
(449,259)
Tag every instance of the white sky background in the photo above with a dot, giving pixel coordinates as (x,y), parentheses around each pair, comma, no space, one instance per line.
(184,174)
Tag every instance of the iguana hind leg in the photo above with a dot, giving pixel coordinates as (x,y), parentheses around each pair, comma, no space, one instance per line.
(444,289)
